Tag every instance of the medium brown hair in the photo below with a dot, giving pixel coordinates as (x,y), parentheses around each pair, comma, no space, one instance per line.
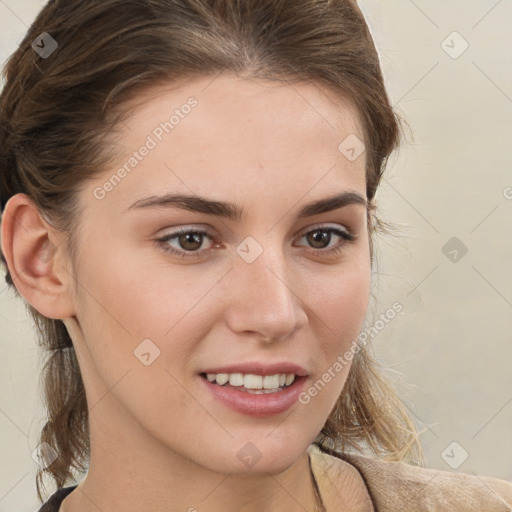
(56,112)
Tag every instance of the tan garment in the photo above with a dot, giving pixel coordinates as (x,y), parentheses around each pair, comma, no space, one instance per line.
(397,486)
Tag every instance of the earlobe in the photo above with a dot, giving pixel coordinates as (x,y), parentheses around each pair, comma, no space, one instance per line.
(34,255)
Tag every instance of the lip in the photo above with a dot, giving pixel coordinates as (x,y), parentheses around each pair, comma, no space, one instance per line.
(256,405)
(260,368)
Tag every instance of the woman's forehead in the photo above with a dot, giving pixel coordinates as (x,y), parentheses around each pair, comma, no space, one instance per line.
(238,100)
(245,132)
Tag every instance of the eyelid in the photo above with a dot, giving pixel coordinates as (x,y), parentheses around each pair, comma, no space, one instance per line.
(212,233)
(321,225)
(346,236)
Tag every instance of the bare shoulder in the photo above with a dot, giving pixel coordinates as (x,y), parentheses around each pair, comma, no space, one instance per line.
(397,486)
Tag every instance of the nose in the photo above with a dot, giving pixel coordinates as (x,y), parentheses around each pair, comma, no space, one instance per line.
(263,302)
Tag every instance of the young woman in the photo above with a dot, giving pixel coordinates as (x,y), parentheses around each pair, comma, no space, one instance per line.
(188,192)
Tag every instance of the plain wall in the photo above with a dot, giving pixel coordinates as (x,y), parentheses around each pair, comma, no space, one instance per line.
(452,344)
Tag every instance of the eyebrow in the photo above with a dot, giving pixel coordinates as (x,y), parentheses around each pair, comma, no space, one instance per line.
(235,212)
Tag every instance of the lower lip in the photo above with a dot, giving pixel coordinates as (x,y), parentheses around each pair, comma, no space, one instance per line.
(257,405)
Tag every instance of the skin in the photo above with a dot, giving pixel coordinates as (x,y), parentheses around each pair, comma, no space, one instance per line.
(271,148)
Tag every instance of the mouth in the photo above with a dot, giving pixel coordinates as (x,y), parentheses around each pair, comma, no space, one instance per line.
(252,383)
(260,392)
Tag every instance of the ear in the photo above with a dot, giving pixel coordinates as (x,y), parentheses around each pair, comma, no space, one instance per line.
(36,256)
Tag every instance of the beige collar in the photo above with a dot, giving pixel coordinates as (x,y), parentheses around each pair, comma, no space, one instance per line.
(341,485)
(402,487)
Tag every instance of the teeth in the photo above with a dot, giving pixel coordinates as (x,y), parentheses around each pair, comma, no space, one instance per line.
(236,379)
(253,381)
(289,379)
(271,381)
(250,381)
(222,378)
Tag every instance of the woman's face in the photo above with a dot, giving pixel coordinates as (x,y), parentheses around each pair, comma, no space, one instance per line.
(257,289)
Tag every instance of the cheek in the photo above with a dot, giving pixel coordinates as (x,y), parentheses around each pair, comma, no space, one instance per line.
(340,303)
(339,311)
(140,309)
(132,308)
(141,295)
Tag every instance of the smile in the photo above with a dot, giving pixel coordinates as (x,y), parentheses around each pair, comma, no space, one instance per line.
(252,394)
(251,383)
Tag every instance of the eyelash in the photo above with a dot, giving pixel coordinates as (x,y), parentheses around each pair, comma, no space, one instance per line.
(345,235)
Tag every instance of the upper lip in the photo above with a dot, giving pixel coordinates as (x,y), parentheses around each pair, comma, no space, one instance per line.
(260,368)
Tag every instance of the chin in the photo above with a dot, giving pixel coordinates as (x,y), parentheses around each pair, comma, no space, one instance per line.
(261,456)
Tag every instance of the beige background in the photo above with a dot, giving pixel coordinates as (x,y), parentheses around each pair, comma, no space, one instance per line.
(451,348)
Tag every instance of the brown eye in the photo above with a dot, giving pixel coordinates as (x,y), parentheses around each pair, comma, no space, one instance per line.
(319,237)
(189,243)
